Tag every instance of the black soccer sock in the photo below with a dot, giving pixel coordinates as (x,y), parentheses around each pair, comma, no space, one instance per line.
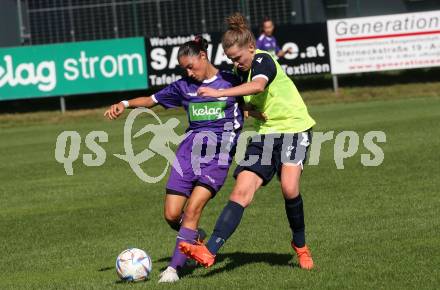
(175,225)
(295,215)
(226,224)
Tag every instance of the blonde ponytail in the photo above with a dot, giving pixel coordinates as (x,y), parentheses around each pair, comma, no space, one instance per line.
(238,32)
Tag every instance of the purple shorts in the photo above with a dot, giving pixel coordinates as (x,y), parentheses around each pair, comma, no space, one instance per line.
(202,159)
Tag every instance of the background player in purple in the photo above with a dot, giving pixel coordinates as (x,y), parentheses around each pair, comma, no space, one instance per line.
(266,41)
(218,121)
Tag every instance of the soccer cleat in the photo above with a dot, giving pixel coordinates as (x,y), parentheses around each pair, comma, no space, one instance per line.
(169,275)
(304,257)
(198,252)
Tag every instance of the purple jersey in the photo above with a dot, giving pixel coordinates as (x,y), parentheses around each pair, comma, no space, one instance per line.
(268,43)
(204,113)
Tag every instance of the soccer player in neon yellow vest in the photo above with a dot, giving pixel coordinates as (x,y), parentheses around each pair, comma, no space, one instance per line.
(286,132)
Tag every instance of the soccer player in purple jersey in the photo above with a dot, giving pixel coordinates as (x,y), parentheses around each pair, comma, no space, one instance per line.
(266,41)
(219,117)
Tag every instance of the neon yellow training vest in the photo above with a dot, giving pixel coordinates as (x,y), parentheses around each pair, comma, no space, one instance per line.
(282,103)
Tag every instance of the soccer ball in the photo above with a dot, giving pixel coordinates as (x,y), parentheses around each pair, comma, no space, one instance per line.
(133,265)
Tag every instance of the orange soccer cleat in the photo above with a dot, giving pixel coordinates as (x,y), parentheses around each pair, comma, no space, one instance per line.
(304,257)
(198,252)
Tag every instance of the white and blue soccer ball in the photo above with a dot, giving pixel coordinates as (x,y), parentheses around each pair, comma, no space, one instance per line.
(133,265)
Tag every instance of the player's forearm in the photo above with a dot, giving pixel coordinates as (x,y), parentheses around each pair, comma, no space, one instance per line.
(147,102)
(251,88)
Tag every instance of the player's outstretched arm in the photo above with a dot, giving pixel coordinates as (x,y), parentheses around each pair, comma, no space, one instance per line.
(117,109)
(251,88)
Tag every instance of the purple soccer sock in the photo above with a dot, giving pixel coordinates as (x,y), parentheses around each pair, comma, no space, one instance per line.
(187,235)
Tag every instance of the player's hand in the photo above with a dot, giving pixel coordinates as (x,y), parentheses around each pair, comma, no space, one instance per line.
(282,53)
(115,111)
(257,115)
(209,92)
(250,111)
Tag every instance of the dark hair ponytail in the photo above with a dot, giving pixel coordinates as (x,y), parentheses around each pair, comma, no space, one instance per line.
(202,43)
(193,47)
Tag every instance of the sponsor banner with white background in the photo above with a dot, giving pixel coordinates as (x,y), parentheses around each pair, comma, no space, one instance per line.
(388,42)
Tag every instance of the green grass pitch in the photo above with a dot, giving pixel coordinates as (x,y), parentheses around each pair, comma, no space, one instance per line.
(368,227)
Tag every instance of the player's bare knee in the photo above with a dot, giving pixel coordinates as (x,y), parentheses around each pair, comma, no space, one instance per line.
(172,216)
(242,196)
(290,190)
(192,214)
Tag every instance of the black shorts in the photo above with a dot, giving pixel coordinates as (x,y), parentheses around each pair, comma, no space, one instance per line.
(265,154)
